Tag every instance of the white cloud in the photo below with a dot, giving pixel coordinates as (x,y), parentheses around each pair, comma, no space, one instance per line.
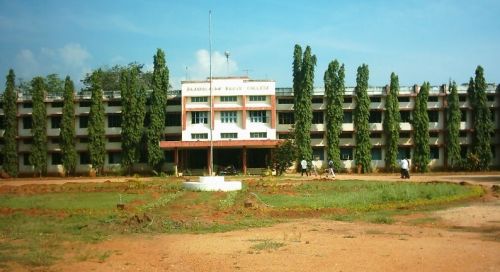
(220,65)
(73,54)
(71,59)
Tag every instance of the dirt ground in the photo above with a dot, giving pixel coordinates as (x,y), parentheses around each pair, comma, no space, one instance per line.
(458,239)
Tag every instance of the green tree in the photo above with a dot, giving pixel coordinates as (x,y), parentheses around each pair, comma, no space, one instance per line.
(67,133)
(133,112)
(362,153)
(392,119)
(97,140)
(55,85)
(38,157)
(483,124)
(453,127)
(334,90)
(421,154)
(111,77)
(303,102)
(158,110)
(284,156)
(9,151)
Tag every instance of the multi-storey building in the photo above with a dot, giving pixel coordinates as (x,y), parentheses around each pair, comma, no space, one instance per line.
(246,119)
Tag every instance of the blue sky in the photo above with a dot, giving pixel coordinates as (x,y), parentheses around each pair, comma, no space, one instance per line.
(419,40)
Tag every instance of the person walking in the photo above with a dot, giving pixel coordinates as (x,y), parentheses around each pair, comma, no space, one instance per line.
(314,169)
(405,165)
(303,166)
(330,169)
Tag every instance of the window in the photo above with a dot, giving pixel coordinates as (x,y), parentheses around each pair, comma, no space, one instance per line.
(115,139)
(404,153)
(26,159)
(114,103)
(347,119)
(318,153)
(258,134)
(84,121)
(114,157)
(404,134)
(114,120)
(434,152)
(228,99)
(405,116)
(490,98)
(403,99)
(2,122)
(226,135)
(257,98)
(55,122)
(199,117)
(196,99)
(375,99)
(286,118)
(85,104)
(258,117)
(348,99)
(58,104)
(285,101)
(462,134)
(27,122)
(56,159)
(283,136)
(463,115)
(375,117)
(84,140)
(28,141)
(375,135)
(173,119)
(174,102)
(317,135)
(169,155)
(27,105)
(199,136)
(85,158)
(433,98)
(346,154)
(493,152)
(463,151)
(173,137)
(462,98)
(317,100)
(376,154)
(55,140)
(317,117)
(433,134)
(433,116)
(228,117)
(346,135)
(492,115)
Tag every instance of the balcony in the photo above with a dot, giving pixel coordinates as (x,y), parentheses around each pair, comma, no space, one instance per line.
(53,131)
(405,141)
(405,126)
(347,127)
(318,142)
(434,105)
(376,126)
(407,105)
(435,125)
(113,131)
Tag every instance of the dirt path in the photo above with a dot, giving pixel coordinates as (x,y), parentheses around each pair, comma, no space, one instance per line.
(457,239)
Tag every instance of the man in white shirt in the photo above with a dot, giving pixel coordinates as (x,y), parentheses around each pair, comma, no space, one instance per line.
(303,167)
(405,166)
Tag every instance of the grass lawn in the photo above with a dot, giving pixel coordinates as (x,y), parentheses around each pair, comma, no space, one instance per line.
(39,222)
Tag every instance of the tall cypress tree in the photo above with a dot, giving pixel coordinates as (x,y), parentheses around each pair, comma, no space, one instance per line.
(362,154)
(67,133)
(297,75)
(421,154)
(158,110)
(303,104)
(453,128)
(9,151)
(334,90)
(391,124)
(97,139)
(133,112)
(483,125)
(38,157)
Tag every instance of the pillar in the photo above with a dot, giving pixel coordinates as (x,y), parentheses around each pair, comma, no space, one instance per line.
(244,158)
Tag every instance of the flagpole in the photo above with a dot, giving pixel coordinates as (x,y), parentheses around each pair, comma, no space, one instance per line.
(211,162)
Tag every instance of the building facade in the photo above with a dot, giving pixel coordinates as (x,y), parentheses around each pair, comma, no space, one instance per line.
(246,119)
